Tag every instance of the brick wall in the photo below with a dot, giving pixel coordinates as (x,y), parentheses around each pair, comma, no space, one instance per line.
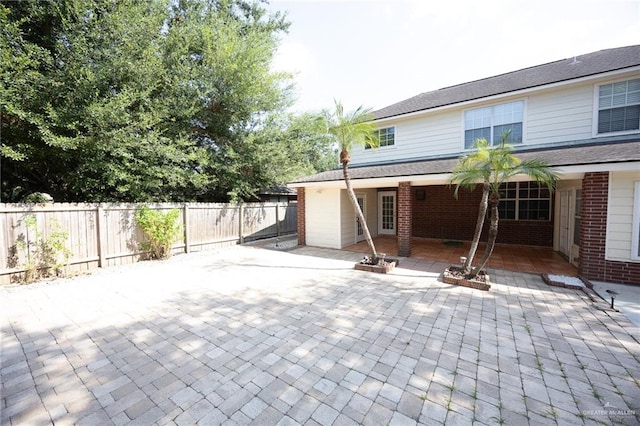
(302,236)
(440,215)
(593,235)
(405,218)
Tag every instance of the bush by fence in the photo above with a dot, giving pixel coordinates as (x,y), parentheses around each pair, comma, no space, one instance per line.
(103,235)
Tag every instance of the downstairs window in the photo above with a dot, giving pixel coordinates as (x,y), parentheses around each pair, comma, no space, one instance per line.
(525,201)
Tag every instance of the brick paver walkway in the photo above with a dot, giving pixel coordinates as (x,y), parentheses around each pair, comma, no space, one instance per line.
(247,335)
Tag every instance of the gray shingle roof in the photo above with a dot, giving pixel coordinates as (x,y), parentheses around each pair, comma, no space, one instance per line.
(566,156)
(553,72)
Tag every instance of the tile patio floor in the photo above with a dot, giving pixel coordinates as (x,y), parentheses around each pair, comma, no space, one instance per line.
(254,336)
(505,256)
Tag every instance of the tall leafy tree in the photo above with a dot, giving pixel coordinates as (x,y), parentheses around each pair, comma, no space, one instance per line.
(133,100)
(349,128)
(491,167)
(290,146)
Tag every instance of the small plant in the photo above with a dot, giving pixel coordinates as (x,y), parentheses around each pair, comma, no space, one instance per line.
(43,255)
(596,394)
(552,412)
(528,328)
(423,396)
(449,404)
(539,364)
(562,370)
(161,229)
(38,198)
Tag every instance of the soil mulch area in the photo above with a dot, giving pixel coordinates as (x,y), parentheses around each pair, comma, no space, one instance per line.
(455,276)
(376,265)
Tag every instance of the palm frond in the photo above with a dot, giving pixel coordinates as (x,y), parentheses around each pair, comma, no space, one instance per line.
(352,127)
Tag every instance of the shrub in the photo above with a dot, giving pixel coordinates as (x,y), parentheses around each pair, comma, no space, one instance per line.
(161,230)
(38,198)
(44,255)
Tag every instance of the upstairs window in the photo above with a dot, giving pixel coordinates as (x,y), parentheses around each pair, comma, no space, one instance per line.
(386,137)
(619,106)
(524,201)
(491,122)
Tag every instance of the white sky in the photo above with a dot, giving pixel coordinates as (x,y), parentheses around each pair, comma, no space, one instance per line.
(378,52)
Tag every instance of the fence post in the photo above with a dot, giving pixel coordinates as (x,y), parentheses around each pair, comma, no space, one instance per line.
(185,218)
(102,256)
(277,219)
(240,224)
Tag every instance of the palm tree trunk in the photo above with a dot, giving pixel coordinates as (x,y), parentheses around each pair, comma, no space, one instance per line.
(478,232)
(493,235)
(358,210)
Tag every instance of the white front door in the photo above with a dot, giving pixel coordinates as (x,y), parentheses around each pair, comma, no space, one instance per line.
(359,229)
(387,212)
(570,215)
(563,244)
(576,214)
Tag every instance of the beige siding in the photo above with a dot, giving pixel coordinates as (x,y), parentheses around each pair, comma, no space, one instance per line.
(322,210)
(620,215)
(559,115)
(417,138)
(551,115)
(347,215)
(347,219)
(372,211)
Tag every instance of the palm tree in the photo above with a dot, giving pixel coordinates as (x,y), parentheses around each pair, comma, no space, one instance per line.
(347,129)
(491,167)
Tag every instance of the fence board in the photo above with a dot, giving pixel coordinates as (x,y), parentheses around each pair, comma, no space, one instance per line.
(105,234)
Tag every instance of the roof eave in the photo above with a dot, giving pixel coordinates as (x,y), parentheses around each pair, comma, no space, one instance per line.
(519,92)
(565,172)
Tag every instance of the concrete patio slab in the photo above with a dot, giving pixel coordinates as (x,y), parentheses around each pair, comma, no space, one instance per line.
(247,335)
(627,300)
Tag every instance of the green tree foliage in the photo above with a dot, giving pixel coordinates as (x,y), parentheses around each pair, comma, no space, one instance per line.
(282,148)
(138,100)
(490,167)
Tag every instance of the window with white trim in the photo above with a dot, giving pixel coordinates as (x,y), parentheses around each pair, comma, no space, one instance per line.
(491,122)
(386,137)
(619,106)
(524,201)
(635,233)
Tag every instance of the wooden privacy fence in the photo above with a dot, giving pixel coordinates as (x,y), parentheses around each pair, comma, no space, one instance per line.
(103,235)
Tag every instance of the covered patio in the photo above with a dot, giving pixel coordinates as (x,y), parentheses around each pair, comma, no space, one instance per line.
(530,259)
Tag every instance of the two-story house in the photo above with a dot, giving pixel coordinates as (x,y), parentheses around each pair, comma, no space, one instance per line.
(581,115)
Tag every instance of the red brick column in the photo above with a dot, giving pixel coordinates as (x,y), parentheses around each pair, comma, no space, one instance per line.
(593,235)
(593,228)
(405,207)
(301,225)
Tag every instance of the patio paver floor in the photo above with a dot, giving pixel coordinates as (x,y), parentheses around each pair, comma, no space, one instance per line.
(252,336)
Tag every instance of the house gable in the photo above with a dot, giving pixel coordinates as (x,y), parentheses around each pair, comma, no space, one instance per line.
(603,61)
(556,103)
